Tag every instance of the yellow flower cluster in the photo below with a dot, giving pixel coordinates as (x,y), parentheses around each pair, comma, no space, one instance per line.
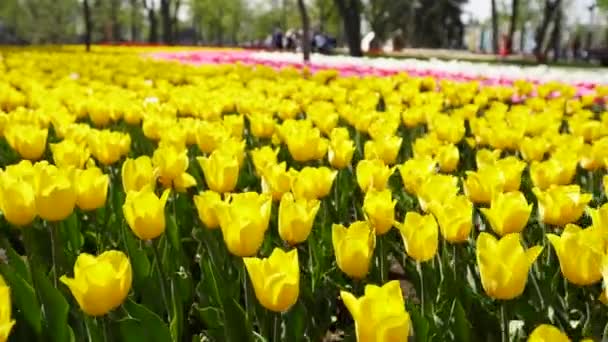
(460,149)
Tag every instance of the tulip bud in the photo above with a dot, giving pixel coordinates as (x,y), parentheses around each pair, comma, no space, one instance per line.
(560,205)
(504,265)
(91,188)
(588,246)
(380,210)
(6,323)
(145,213)
(138,173)
(56,195)
(353,248)
(296,218)
(547,333)
(373,174)
(276,279)
(508,213)
(106,276)
(69,154)
(221,171)
(420,236)
(392,321)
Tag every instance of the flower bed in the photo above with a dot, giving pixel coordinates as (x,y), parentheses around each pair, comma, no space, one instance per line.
(145,199)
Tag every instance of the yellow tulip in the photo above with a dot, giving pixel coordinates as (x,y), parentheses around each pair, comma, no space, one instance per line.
(27,140)
(353,248)
(313,183)
(108,146)
(482,185)
(206,203)
(547,333)
(277,180)
(380,314)
(91,188)
(485,157)
(455,218)
(504,265)
(604,271)
(145,213)
(172,162)
(221,171)
(511,169)
(261,125)
(450,129)
(235,125)
(420,236)
(437,189)
(447,157)
(296,218)
(56,195)
(554,171)
(560,205)
(373,174)
(210,135)
(263,157)
(385,149)
(244,220)
(306,144)
(138,173)
(70,154)
(340,152)
(533,149)
(587,245)
(276,279)
(18,194)
(6,323)
(380,210)
(100,284)
(508,213)
(415,171)
(599,218)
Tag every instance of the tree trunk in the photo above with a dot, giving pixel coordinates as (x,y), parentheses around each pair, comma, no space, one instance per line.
(153,23)
(554,43)
(114,4)
(165,17)
(87,25)
(512,24)
(306,29)
(522,38)
(175,22)
(134,8)
(350,10)
(549,11)
(494,28)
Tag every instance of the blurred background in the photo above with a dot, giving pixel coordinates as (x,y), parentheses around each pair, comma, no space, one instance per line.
(517,31)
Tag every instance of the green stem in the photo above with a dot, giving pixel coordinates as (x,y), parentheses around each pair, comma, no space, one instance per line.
(162,279)
(97,228)
(504,329)
(245,289)
(381,261)
(104,328)
(421,275)
(53,253)
(276,327)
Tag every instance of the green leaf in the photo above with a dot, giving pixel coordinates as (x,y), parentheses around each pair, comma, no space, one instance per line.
(296,322)
(24,297)
(55,308)
(139,259)
(420,324)
(212,317)
(149,325)
(176,325)
(236,324)
(70,227)
(462,327)
(16,261)
(173,234)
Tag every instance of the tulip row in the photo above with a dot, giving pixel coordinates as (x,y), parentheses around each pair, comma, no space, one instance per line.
(145,199)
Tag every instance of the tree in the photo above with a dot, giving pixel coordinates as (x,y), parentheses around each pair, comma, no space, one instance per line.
(152,21)
(512,24)
(494,27)
(165,17)
(350,11)
(305,29)
(87,24)
(549,12)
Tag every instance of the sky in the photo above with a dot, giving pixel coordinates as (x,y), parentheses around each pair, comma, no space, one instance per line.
(577,9)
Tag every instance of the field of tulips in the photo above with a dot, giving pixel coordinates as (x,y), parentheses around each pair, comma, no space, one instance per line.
(148,200)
